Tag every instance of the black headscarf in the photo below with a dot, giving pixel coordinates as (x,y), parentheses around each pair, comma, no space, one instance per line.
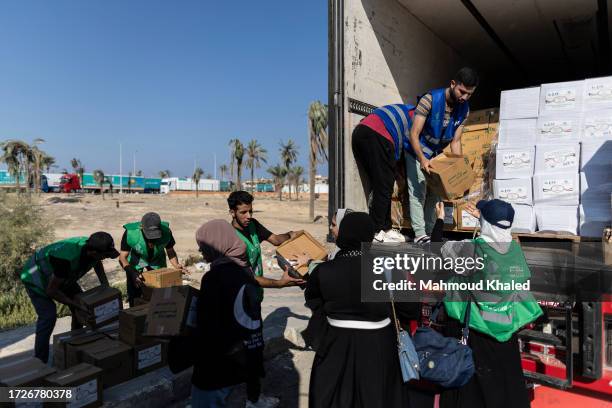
(355,228)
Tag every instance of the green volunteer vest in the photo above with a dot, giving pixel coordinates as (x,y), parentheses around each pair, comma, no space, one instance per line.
(253,252)
(38,269)
(140,256)
(505,311)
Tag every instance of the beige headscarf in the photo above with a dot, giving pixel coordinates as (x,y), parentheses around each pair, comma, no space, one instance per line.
(219,243)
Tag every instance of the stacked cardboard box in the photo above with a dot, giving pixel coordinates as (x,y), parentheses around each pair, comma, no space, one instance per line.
(172,311)
(65,344)
(103,305)
(24,372)
(85,381)
(113,357)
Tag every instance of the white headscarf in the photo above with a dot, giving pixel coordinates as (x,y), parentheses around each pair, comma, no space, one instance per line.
(499,238)
(339,216)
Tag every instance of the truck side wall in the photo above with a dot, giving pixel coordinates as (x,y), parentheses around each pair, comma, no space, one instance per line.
(389,57)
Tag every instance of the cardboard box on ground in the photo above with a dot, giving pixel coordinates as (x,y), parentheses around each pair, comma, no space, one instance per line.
(113,357)
(66,344)
(172,311)
(302,243)
(103,305)
(84,379)
(24,372)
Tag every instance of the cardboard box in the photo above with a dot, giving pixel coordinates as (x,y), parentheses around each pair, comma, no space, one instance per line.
(557,158)
(303,242)
(560,97)
(482,116)
(150,356)
(524,219)
(61,341)
(85,381)
(103,304)
(113,357)
(514,163)
(133,325)
(595,156)
(163,278)
(556,189)
(517,133)
(594,219)
(467,222)
(561,128)
(557,219)
(595,187)
(76,346)
(596,126)
(519,103)
(23,372)
(450,176)
(139,301)
(598,93)
(515,191)
(172,311)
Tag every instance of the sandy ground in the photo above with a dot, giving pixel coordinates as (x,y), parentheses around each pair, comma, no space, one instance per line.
(83,214)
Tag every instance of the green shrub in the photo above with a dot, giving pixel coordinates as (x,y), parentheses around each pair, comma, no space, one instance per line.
(16,309)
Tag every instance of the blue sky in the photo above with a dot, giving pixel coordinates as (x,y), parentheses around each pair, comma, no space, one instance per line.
(172,80)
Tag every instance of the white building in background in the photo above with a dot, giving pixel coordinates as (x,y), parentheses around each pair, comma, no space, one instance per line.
(305,188)
(187,184)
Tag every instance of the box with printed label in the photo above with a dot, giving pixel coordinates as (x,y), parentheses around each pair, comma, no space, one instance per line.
(556,189)
(450,176)
(163,278)
(557,158)
(85,382)
(598,93)
(517,133)
(514,163)
(516,191)
(150,356)
(595,156)
(596,126)
(133,324)
(103,305)
(113,357)
(172,311)
(594,218)
(557,219)
(561,97)
(467,221)
(524,219)
(560,128)
(303,242)
(75,347)
(482,116)
(62,340)
(23,372)
(519,103)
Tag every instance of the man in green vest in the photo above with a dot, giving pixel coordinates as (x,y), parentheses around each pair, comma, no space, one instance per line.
(252,233)
(144,246)
(52,274)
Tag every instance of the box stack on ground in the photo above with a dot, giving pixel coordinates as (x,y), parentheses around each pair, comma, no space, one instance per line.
(553,157)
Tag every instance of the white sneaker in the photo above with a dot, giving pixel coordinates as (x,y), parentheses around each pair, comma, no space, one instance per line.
(380,237)
(423,239)
(394,236)
(263,402)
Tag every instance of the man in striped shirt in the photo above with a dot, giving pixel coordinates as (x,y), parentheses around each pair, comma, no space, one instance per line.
(437,123)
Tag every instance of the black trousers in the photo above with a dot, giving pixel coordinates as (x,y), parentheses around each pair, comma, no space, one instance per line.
(133,292)
(376,157)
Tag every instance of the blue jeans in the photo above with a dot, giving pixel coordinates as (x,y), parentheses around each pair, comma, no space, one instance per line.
(209,398)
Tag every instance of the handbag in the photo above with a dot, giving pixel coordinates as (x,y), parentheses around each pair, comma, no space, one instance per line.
(446,361)
(408,357)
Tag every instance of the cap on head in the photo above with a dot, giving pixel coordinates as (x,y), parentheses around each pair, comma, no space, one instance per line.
(151,226)
(102,243)
(496,212)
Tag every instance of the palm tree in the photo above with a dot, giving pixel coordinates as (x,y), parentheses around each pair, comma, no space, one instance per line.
(237,156)
(16,155)
(98,175)
(197,175)
(139,173)
(223,170)
(162,174)
(278,173)
(288,153)
(48,162)
(296,175)
(78,168)
(255,156)
(36,157)
(317,133)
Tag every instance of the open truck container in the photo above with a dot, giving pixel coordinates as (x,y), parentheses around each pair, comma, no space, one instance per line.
(389,51)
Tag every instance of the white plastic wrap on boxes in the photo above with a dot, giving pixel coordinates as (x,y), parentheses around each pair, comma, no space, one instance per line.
(561,97)
(596,156)
(596,125)
(552,218)
(593,219)
(557,158)
(598,93)
(556,189)
(514,162)
(519,103)
(515,191)
(595,186)
(516,132)
(524,219)
(563,128)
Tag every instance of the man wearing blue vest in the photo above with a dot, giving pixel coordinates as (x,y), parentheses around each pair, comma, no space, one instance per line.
(437,123)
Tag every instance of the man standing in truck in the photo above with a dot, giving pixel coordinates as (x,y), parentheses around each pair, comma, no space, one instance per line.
(438,122)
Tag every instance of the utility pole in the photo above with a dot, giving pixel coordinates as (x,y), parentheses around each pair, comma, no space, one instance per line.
(120,170)
(215,161)
(134,171)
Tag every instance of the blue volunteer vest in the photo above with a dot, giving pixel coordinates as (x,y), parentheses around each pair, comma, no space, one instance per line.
(398,121)
(432,139)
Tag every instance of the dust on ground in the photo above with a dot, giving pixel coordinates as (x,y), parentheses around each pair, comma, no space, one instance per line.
(83,214)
